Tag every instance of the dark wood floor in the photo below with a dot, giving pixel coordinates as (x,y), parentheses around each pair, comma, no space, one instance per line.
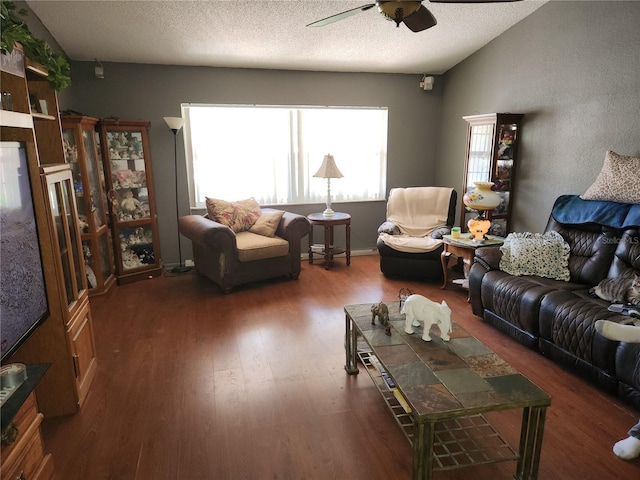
(194,384)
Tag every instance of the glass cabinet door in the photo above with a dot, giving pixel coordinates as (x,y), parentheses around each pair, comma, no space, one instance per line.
(491,156)
(131,199)
(479,170)
(64,220)
(96,204)
(128,176)
(81,153)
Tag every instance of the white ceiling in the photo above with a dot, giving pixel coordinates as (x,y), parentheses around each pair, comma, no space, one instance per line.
(272,34)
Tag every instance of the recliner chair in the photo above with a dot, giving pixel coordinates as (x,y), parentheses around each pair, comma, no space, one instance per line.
(429,211)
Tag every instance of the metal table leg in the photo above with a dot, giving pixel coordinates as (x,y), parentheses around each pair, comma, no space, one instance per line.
(531,434)
(351,347)
(423,440)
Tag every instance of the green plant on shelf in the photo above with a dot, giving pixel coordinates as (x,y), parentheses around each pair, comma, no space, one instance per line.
(14,30)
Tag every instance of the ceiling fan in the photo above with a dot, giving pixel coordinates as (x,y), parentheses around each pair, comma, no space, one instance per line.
(410,12)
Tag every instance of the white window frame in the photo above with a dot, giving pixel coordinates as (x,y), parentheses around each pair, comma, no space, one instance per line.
(359,147)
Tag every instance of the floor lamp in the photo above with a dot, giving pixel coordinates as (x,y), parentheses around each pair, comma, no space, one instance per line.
(175,124)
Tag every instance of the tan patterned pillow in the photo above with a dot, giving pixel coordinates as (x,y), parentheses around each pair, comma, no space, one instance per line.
(267,223)
(239,216)
(618,181)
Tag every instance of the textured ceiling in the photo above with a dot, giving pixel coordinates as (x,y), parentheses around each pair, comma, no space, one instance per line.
(272,34)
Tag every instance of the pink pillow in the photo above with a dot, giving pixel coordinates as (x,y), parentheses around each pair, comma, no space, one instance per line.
(239,216)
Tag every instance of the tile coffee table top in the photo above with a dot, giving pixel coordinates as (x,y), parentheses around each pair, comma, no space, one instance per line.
(444,379)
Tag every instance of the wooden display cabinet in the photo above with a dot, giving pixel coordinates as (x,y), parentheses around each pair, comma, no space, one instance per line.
(132,206)
(22,451)
(65,339)
(491,156)
(81,153)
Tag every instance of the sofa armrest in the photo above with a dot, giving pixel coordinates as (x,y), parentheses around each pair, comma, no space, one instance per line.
(210,234)
(439,232)
(389,227)
(293,227)
(489,257)
(486,259)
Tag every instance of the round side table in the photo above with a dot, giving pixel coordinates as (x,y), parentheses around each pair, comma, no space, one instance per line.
(329,249)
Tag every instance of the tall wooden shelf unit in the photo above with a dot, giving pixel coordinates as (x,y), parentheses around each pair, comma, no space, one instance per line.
(491,156)
(65,340)
(82,155)
(132,204)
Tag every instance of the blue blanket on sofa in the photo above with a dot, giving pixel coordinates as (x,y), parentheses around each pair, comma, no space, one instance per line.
(571,209)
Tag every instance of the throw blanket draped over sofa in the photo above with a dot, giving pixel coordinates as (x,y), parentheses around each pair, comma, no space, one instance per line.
(557,317)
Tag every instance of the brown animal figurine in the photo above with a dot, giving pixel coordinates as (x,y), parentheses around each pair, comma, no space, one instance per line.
(382,312)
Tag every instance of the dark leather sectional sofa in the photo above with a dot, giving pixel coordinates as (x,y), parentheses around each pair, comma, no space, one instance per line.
(557,318)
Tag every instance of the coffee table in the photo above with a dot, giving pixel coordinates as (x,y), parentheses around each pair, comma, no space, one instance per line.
(438,392)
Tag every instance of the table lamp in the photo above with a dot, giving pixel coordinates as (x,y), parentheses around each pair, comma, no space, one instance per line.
(328,170)
(482,199)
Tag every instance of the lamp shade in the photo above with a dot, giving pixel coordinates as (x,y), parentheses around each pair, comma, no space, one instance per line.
(482,198)
(328,169)
(174,123)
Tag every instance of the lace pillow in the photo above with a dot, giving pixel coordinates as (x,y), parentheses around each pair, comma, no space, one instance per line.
(618,180)
(239,216)
(267,223)
(544,255)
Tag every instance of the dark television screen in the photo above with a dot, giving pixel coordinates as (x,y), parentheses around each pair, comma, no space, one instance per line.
(23,298)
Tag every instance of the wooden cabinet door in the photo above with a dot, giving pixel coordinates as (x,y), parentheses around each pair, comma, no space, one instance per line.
(83,351)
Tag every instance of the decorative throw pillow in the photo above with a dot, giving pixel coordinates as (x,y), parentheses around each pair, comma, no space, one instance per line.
(239,216)
(544,255)
(618,180)
(267,223)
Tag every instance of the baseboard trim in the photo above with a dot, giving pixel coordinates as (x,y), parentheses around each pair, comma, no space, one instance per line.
(354,253)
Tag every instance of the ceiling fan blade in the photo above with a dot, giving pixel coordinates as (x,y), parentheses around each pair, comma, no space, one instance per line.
(473,1)
(420,20)
(340,16)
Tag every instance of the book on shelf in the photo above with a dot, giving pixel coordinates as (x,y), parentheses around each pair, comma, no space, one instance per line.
(389,381)
(401,400)
(376,363)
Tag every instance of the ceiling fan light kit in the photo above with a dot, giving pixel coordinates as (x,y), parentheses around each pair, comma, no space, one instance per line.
(398,11)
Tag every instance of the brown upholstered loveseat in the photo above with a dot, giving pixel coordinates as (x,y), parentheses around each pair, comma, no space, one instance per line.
(557,317)
(231,259)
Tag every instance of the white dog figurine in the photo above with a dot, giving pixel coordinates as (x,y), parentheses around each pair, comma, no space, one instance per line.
(419,309)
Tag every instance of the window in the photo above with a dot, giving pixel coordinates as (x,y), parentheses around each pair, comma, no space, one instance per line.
(271,153)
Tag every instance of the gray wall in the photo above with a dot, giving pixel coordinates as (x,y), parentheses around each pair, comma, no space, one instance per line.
(573,69)
(151,92)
